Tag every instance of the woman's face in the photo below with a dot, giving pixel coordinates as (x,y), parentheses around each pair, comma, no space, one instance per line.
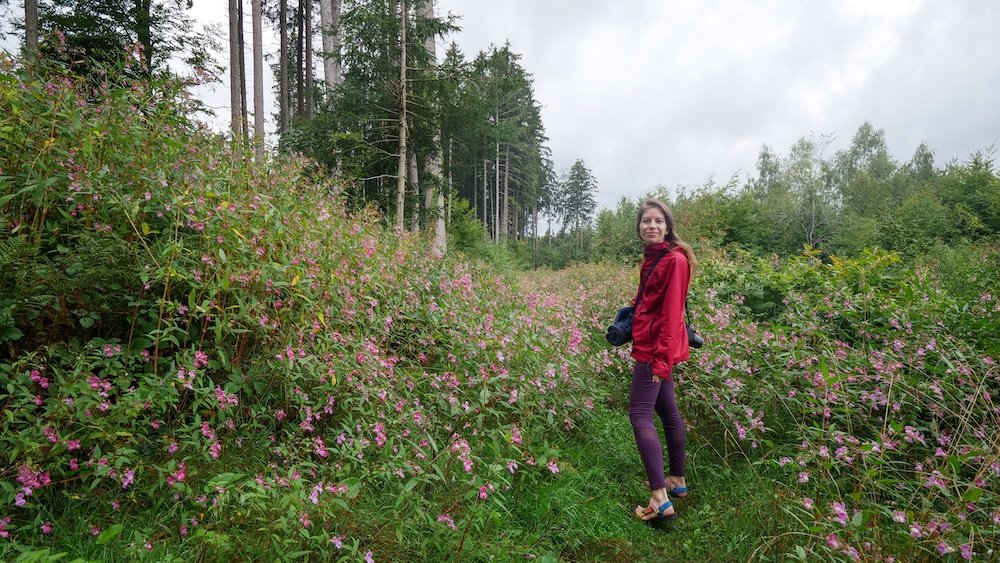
(652,226)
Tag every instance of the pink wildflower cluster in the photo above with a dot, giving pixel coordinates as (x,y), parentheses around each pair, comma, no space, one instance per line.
(461,447)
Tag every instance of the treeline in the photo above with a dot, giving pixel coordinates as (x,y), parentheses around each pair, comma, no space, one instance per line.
(434,146)
(861,197)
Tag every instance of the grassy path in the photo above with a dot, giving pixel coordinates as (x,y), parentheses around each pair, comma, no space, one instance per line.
(586,514)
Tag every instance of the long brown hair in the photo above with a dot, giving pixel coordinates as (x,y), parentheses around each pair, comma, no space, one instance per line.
(671,235)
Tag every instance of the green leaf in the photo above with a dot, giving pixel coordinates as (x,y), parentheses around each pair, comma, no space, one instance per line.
(111,533)
(858,519)
(87,321)
(972,495)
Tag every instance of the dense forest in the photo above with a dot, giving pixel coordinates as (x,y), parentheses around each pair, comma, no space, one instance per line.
(377,334)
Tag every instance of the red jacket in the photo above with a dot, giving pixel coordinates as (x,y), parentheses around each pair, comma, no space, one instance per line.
(659,335)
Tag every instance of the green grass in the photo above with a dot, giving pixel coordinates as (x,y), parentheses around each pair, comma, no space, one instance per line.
(585,514)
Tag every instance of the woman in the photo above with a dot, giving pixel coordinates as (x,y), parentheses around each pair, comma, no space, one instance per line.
(659,343)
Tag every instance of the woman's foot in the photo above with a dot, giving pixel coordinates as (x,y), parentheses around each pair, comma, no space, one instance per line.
(659,507)
(677,486)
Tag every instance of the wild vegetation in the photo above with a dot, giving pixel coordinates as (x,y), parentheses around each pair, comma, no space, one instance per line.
(204,357)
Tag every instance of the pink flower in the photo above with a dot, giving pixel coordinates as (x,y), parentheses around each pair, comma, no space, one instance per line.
(304,519)
(337,541)
(804,477)
(483,494)
(128,477)
(944,549)
(840,513)
(832,541)
(808,503)
(46,528)
(446,519)
(967,552)
(899,516)
(515,435)
(552,467)
(369,558)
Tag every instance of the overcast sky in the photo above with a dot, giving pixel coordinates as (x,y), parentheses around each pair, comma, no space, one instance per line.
(656,92)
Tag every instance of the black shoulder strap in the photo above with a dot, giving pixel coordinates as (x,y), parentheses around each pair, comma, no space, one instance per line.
(642,285)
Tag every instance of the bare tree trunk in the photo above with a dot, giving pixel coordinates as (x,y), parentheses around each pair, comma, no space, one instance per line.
(300,92)
(31,27)
(329,13)
(309,59)
(496,190)
(451,176)
(415,190)
(244,121)
(506,191)
(258,81)
(236,113)
(283,92)
(432,161)
(143,25)
(534,240)
(401,167)
(486,210)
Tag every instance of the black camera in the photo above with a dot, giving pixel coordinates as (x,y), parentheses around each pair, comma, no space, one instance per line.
(620,331)
(694,339)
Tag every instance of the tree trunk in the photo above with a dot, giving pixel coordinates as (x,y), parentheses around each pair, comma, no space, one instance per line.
(258,82)
(534,239)
(329,13)
(432,161)
(244,121)
(309,59)
(505,223)
(31,27)
(401,166)
(143,24)
(236,113)
(283,92)
(300,93)
(486,210)
(415,190)
(496,190)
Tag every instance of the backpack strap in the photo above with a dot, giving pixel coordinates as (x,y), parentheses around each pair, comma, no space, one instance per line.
(642,285)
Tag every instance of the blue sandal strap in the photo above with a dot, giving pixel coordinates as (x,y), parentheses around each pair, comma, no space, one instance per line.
(678,490)
(663,508)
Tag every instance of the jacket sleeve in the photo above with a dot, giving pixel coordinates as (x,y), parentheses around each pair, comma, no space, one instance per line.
(676,273)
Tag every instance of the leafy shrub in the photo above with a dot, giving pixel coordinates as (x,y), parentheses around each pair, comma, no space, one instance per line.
(196,348)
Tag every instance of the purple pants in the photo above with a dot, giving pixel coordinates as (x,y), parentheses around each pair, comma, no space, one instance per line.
(646,398)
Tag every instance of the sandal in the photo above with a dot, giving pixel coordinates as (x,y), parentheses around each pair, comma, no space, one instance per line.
(679,492)
(661,515)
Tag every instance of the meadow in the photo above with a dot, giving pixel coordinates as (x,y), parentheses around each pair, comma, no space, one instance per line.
(204,358)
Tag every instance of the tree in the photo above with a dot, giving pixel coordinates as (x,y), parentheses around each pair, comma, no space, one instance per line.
(31,26)
(284,98)
(401,167)
(234,75)
(329,12)
(100,31)
(577,200)
(432,158)
(258,81)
